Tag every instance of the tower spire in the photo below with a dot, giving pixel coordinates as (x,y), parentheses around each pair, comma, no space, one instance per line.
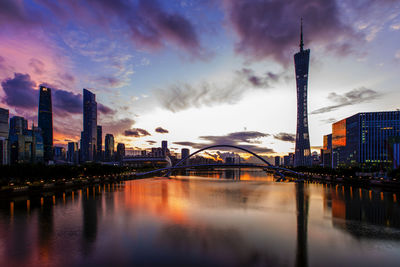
(301,35)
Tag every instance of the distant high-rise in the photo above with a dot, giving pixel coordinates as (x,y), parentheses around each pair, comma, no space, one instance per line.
(301,61)
(26,146)
(109,147)
(164,146)
(120,151)
(72,153)
(99,154)
(185,152)
(4,153)
(46,121)
(89,136)
(277,160)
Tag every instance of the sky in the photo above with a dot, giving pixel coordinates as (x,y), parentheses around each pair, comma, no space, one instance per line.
(199,72)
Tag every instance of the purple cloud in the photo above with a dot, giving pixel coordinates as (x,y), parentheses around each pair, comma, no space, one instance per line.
(161,130)
(19,92)
(67,101)
(136,132)
(271,28)
(149,25)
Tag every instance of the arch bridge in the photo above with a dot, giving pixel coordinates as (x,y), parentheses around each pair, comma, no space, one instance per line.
(267,165)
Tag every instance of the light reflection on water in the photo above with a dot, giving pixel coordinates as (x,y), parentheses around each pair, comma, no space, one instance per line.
(219,218)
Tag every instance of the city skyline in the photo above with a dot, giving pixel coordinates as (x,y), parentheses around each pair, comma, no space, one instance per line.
(220,83)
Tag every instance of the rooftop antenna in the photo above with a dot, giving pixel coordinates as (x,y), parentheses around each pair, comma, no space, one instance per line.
(301,35)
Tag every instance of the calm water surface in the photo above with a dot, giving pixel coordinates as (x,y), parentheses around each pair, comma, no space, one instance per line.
(220,218)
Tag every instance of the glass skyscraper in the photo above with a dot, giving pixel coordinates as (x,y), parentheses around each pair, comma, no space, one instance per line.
(46,121)
(89,134)
(364,138)
(301,61)
(109,147)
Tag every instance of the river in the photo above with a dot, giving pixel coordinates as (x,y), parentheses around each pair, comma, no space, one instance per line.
(218,218)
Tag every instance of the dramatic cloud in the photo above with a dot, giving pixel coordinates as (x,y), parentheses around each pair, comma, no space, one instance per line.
(136,132)
(355,96)
(286,137)
(19,92)
(148,24)
(245,140)
(104,109)
(180,96)
(161,130)
(115,126)
(271,28)
(67,101)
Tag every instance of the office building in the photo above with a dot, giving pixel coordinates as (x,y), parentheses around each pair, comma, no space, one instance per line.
(326,151)
(120,151)
(99,147)
(109,147)
(26,146)
(302,150)
(46,121)
(73,152)
(4,147)
(89,134)
(363,139)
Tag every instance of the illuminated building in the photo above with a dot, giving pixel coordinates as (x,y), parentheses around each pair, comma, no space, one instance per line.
(363,139)
(326,151)
(301,61)
(46,121)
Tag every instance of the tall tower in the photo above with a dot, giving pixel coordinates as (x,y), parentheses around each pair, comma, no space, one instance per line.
(302,155)
(46,121)
(89,134)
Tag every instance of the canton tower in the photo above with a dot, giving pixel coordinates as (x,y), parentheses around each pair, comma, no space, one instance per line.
(302,156)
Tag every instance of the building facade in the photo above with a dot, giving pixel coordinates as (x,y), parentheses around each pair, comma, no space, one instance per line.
(364,139)
(46,121)
(301,61)
(109,147)
(89,134)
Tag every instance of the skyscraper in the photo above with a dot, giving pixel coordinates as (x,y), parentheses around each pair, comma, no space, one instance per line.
(99,154)
(89,135)
(4,153)
(301,61)
(46,121)
(109,147)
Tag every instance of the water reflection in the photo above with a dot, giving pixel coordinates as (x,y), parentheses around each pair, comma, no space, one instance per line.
(237,218)
(302,200)
(351,206)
